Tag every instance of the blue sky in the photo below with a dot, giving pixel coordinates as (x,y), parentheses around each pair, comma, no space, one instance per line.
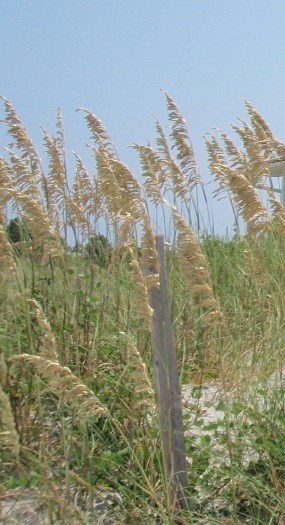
(114,56)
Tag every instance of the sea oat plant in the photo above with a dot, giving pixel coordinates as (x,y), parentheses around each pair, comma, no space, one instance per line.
(76,393)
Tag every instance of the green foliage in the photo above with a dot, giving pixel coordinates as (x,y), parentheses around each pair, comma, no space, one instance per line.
(225,257)
(17,231)
(99,250)
(238,457)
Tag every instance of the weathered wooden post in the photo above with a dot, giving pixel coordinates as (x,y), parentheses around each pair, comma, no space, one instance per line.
(167,384)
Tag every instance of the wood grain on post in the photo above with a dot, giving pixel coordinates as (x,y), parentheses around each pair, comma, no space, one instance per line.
(167,384)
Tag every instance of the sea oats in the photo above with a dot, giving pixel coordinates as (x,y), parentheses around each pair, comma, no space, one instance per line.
(262,131)
(171,176)
(137,376)
(65,385)
(47,341)
(195,267)
(18,133)
(7,260)
(80,204)
(38,225)
(149,253)
(57,180)
(23,143)
(83,190)
(118,186)
(9,437)
(99,133)
(153,173)
(235,158)
(5,183)
(108,185)
(217,164)
(27,199)
(140,305)
(246,197)
(161,140)
(23,179)
(182,144)
(257,167)
(129,188)
(60,137)
(3,371)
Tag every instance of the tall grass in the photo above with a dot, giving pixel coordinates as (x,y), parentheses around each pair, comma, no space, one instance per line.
(77,407)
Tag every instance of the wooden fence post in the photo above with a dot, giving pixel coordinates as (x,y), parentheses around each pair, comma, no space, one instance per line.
(167,384)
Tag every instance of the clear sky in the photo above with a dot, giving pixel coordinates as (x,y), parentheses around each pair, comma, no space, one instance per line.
(114,56)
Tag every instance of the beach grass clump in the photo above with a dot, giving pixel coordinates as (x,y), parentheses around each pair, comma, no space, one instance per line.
(77,403)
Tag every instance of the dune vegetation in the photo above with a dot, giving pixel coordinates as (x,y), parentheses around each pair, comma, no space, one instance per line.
(77,404)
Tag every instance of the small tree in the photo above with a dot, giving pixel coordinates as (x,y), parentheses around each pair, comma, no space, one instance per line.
(99,249)
(17,231)
(13,231)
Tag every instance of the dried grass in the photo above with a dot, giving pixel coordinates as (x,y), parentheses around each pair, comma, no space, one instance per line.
(65,384)
(9,437)
(195,269)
